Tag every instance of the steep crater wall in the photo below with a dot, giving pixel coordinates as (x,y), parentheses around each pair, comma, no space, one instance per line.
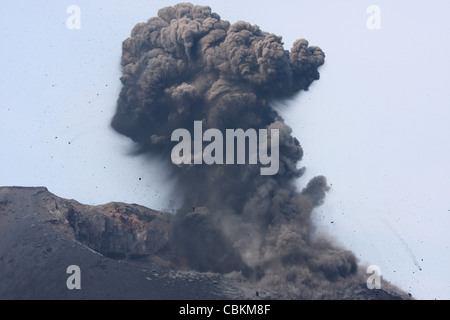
(116,230)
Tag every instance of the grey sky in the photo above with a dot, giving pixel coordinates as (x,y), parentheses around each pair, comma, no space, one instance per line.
(376,124)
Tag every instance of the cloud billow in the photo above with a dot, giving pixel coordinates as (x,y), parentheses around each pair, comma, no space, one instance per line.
(188,65)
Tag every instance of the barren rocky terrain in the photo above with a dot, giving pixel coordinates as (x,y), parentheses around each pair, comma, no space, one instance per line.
(123,251)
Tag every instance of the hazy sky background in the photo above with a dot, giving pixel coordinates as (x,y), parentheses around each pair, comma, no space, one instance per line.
(376,124)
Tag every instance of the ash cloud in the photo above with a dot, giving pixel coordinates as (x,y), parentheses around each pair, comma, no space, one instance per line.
(188,65)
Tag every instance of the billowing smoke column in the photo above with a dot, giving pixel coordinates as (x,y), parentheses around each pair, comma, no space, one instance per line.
(188,65)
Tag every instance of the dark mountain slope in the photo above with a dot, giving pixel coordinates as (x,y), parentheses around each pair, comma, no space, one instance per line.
(123,252)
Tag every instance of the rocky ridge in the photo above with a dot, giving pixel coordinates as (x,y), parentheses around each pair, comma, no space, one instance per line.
(123,251)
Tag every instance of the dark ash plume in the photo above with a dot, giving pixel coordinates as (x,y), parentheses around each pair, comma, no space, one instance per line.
(188,65)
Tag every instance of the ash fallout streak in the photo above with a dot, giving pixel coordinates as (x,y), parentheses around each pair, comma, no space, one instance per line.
(188,65)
